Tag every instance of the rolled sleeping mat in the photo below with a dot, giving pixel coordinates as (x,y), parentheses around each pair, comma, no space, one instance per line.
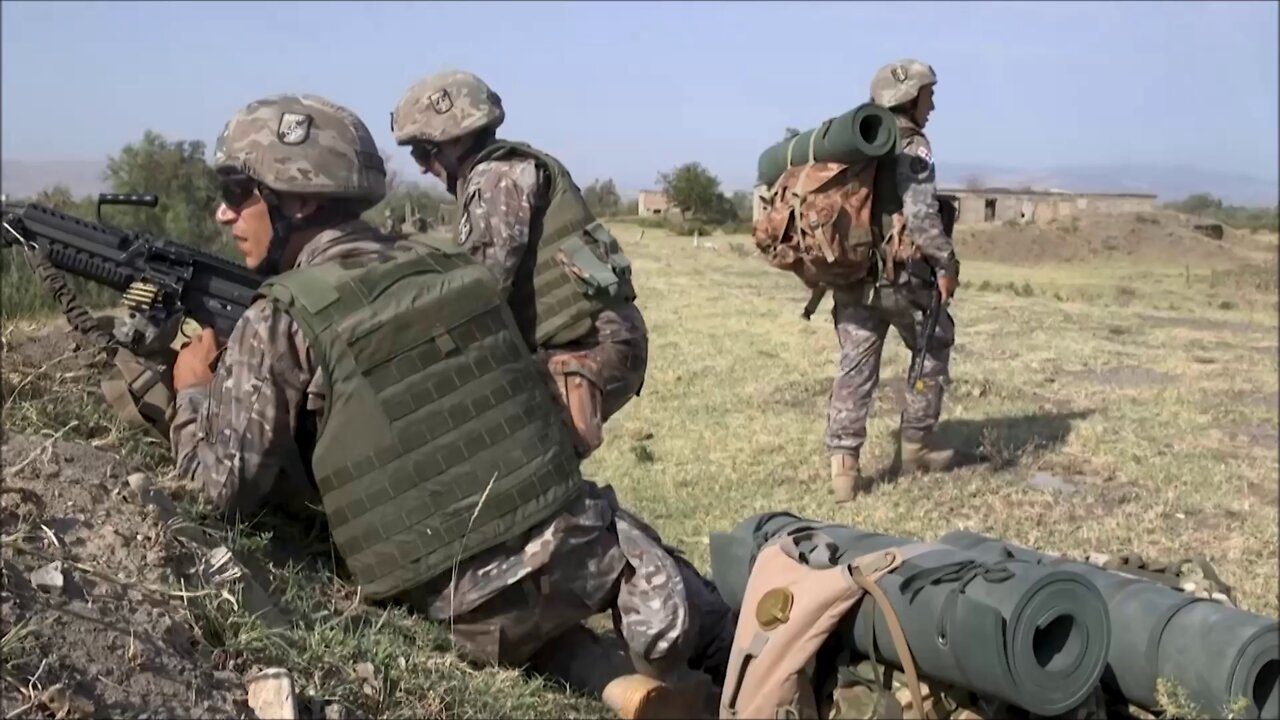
(1029,635)
(1219,656)
(1214,651)
(868,131)
(1032,636)
(1139,611)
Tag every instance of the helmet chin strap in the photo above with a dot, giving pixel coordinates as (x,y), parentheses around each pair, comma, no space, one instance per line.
(453,167)
(282,227)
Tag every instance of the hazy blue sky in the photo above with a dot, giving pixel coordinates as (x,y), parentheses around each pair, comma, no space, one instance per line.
(628,89)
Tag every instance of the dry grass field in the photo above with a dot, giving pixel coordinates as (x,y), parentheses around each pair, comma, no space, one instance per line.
(1130,359)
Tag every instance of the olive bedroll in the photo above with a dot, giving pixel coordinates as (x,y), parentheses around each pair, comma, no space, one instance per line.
(1020,632)
(867,132)
(1216,652)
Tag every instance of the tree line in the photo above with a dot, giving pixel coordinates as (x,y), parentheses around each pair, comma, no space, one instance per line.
(1236,216)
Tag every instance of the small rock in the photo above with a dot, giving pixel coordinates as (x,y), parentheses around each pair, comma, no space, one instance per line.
(1051,483)
(369,678)
(335,711)
(271,694)
(49,578)
(66,703)
(139,482)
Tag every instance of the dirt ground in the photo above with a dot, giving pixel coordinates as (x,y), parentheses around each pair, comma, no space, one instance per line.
(111,640)
(1159,236)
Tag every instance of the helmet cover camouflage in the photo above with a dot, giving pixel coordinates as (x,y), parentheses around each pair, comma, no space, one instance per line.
(900,82)
(445,106)
(303,144)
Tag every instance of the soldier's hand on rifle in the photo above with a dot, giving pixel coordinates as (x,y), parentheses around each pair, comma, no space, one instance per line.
(194,365)
(946,287)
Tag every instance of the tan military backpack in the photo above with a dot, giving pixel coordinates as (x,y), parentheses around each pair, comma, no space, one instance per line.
(788,610)
(817,221)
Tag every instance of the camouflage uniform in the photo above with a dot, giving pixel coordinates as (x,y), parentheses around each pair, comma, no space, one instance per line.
(244,440)
(864,312)
(236,439)
(498,208)
(493,226)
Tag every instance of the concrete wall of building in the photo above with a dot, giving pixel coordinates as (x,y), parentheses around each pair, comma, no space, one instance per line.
(978,206)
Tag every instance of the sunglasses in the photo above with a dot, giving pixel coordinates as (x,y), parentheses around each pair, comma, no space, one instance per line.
(422,153)
(236,188)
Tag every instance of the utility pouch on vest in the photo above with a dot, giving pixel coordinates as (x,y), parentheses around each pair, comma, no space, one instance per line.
(788,611)
(597,272)
(580,390)
(140,391)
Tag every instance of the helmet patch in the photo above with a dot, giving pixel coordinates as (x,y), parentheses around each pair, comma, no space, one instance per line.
(294,128)
(899,73)
(441,101)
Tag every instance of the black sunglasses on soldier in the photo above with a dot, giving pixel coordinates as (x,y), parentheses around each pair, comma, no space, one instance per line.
(235,188)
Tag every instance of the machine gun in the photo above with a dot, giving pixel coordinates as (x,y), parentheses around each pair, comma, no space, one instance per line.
(162,281)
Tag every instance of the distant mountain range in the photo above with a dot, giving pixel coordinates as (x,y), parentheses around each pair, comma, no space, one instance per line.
(24,178)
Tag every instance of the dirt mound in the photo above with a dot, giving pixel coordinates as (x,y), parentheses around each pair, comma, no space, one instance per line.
(1161,236)
(89,624)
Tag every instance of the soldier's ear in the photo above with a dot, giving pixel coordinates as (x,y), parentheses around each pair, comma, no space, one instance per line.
(300,206)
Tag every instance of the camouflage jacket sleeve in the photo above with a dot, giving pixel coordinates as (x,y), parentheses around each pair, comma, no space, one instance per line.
(920,207)
(235,436)
(496,213)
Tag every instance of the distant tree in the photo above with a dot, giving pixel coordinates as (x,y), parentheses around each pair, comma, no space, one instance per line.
(1198,204)
(1237,216)
(178,173)
(603,198)
(741,204)
(693,188)
(59,197)
(974,182)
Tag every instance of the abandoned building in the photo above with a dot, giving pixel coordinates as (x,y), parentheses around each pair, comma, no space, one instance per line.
(998,205)
(652,203)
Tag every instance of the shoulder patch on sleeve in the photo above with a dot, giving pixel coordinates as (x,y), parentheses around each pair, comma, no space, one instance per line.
(923,151)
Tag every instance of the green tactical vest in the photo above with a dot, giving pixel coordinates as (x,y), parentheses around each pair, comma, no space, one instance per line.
(435,405)
(577,266)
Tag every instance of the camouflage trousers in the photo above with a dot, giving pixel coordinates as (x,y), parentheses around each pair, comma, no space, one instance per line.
(595,557)
(863,316)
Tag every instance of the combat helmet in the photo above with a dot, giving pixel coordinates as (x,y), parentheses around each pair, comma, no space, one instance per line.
(303,144)
(900,82)
(445,106)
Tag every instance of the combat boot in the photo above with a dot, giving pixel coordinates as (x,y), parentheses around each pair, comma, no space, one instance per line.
(640,697)
(923,455)
(598,667)
(846,480)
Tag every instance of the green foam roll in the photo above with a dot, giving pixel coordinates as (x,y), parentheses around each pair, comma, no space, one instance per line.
(866,132)
(1032,636)
(1217,653)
